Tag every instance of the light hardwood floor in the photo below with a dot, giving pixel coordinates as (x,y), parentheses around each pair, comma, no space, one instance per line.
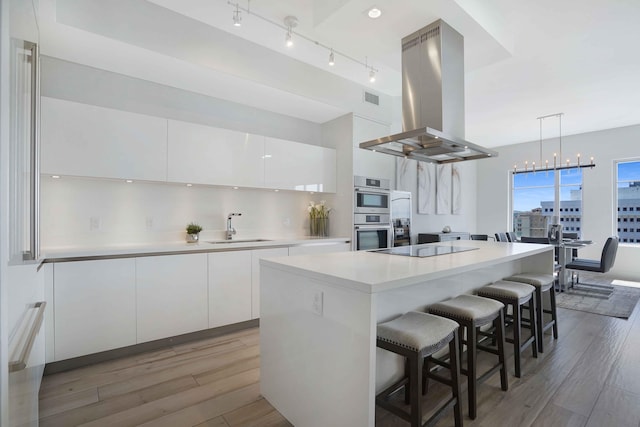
(589,377)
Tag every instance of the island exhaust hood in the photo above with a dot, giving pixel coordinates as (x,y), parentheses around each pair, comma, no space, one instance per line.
(432,100)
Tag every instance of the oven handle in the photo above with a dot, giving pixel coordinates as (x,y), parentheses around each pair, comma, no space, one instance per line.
(372,227)
(371,190)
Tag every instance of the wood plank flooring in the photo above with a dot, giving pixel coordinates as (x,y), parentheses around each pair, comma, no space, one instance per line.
(589,377)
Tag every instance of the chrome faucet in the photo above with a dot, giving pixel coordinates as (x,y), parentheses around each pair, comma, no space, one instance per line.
(230,230)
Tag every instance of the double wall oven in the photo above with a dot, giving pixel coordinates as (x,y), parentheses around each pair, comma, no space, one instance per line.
(372,214)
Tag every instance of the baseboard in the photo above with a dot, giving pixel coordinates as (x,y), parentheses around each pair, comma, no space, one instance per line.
(104,356)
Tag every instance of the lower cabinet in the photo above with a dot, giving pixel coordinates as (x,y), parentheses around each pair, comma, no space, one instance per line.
(111,303)
(95,306)
(256,256)
(171,295)
(229,287)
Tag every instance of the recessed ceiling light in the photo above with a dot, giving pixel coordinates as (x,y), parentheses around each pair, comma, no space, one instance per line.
(129,181)
(189,185)
(374,13)
(55,176)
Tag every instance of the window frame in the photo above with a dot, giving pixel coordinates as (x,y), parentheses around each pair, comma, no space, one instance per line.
(617,226)
(574,211)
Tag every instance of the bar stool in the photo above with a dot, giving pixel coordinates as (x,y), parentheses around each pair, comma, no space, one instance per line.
(471,312)
(516,295)
(417,336)
(543,283)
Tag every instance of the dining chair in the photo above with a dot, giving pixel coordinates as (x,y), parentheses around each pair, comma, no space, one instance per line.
(604,264)
(501,237)
(512,236)
(479,237)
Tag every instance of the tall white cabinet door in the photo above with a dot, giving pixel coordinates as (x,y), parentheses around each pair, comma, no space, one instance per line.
(229,287)
(86,140)
(366,162)
(294,166)
(171,295)
(94,306)
(207,155)
(256,256)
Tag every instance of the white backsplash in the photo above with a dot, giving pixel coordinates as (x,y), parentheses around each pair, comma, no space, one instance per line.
(82,212)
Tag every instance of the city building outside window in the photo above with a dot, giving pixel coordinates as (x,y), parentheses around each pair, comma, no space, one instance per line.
(534,198)
(628,198)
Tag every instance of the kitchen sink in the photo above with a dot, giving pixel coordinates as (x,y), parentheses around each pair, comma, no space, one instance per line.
(215,242)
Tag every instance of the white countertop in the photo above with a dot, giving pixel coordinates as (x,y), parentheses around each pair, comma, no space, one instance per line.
(372,272)
(66,253)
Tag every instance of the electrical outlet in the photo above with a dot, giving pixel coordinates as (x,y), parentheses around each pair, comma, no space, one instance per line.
(94,223)
(317,304)
(149,223)
(286,222)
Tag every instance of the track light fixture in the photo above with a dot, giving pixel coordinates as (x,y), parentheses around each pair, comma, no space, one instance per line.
(236,16)
(290,22)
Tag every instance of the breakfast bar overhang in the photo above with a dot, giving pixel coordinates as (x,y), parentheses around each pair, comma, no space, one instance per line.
(319,362)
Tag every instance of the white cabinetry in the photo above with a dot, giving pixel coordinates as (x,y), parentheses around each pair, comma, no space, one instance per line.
(366,162)
(95,306)
(206,155)
(229,287)
(171,295)
(319,249)
(256,256)
(294,166)
(86,140)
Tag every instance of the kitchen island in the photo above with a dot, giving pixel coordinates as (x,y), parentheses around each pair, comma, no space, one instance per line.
(319,362)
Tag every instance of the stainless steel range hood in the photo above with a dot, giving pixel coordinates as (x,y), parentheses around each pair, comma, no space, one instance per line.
(432,100)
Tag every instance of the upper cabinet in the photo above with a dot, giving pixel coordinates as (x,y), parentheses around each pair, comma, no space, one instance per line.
(206,155)
(294,166)
(86,140)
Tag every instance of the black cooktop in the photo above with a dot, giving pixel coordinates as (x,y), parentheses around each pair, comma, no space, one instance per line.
(423,250)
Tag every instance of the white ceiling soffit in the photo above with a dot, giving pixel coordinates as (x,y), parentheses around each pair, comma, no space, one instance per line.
(84,32)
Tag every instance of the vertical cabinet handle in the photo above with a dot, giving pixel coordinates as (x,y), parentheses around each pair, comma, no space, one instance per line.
(21,363)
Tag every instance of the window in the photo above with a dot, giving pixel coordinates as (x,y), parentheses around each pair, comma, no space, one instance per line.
(628,195)
(534,199)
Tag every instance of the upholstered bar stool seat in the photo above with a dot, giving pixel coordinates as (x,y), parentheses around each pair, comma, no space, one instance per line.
(472,312)
(544,283)
(417,336)
(516,295)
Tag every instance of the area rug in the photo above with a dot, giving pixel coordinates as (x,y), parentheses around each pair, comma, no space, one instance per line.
(619,304)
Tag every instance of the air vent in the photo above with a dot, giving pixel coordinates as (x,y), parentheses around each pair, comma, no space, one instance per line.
(371,98)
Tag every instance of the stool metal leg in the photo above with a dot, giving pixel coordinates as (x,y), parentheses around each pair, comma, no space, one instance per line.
(499,325)
(415,363)
(540,313)
(554,312)
(454,360)
(517,343)
(472,382)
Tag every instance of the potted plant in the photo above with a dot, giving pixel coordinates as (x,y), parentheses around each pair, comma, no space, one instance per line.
(193,232)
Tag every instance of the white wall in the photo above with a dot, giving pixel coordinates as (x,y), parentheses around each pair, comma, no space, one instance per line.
(598,220)
(466,221)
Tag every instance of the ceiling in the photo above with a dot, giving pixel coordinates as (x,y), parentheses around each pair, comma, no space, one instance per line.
(523,59)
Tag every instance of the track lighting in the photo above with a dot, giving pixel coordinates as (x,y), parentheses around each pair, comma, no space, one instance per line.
(291,22)
(288,40)
(236,16)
